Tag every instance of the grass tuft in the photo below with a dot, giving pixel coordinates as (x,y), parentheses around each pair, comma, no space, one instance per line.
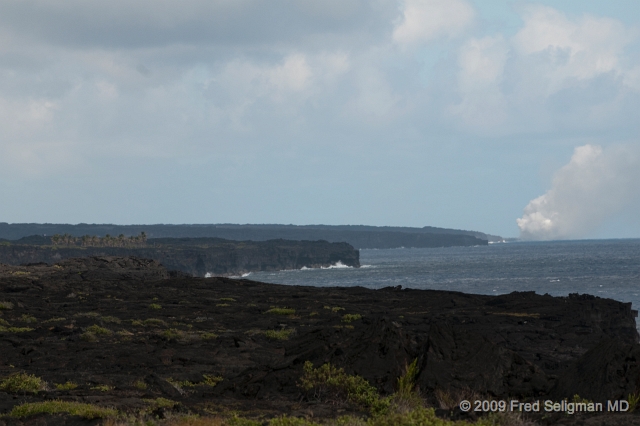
(99,331)
(88,411)
(351,317)
(153,322)
(281,311)
(279,334)
(6,306)
(15,329)
(155,306)
(66,386)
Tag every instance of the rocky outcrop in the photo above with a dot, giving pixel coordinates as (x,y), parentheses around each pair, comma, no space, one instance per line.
(199,256)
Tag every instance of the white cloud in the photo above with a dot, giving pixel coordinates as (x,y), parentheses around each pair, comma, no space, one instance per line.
(426,20)
(481,63)
(596,184)
(566,50)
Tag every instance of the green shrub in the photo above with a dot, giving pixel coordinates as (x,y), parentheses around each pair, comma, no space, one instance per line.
(227,299)
(66,386)
(279,334)
(351,317)
(114,320)
(3,322)
(22,383)
(281,311)
(329,381)
(155,306)
(88,336)
(88,411)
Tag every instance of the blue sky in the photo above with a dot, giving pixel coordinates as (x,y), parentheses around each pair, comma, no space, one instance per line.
(508,117)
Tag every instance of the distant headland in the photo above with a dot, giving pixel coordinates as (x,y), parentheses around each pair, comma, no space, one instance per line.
(359,236)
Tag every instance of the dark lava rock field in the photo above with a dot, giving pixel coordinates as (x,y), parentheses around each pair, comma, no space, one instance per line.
(125,330)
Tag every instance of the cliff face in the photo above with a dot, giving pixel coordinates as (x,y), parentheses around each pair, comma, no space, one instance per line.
(200,256)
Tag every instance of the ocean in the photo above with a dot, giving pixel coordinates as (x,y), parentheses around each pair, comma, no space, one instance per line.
(604,268)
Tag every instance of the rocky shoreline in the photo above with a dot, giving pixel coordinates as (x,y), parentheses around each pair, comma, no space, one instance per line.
(125,331)
(194,256)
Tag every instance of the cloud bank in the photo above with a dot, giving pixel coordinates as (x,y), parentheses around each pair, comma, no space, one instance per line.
(324,112)
(596,184)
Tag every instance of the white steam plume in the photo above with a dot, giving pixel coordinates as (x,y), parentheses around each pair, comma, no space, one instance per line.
(593,186)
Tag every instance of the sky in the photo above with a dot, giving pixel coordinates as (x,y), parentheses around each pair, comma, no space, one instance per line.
(513,118)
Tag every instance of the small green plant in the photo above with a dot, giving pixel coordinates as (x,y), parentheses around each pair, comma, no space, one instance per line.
(279,334)
(154,322)
(211,380)
(329,382)
(14,329)
(227,299)
(66,386)
(172,333)
(3,322)
(88,336)
(87,314)
(406,382)
(222,305)
(109,319)
(140,384)
(137,323)
(54,319)
(207,335)
(99,331)
(27,318)
(281,311)
(88,411)
(313,314)
(161,403)
(155,306)
(6,306)
(22,383)
(351,317)
(578,399)
(633,400)
(102,388)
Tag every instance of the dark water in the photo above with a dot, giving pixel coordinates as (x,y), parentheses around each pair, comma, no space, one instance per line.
(605,268)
